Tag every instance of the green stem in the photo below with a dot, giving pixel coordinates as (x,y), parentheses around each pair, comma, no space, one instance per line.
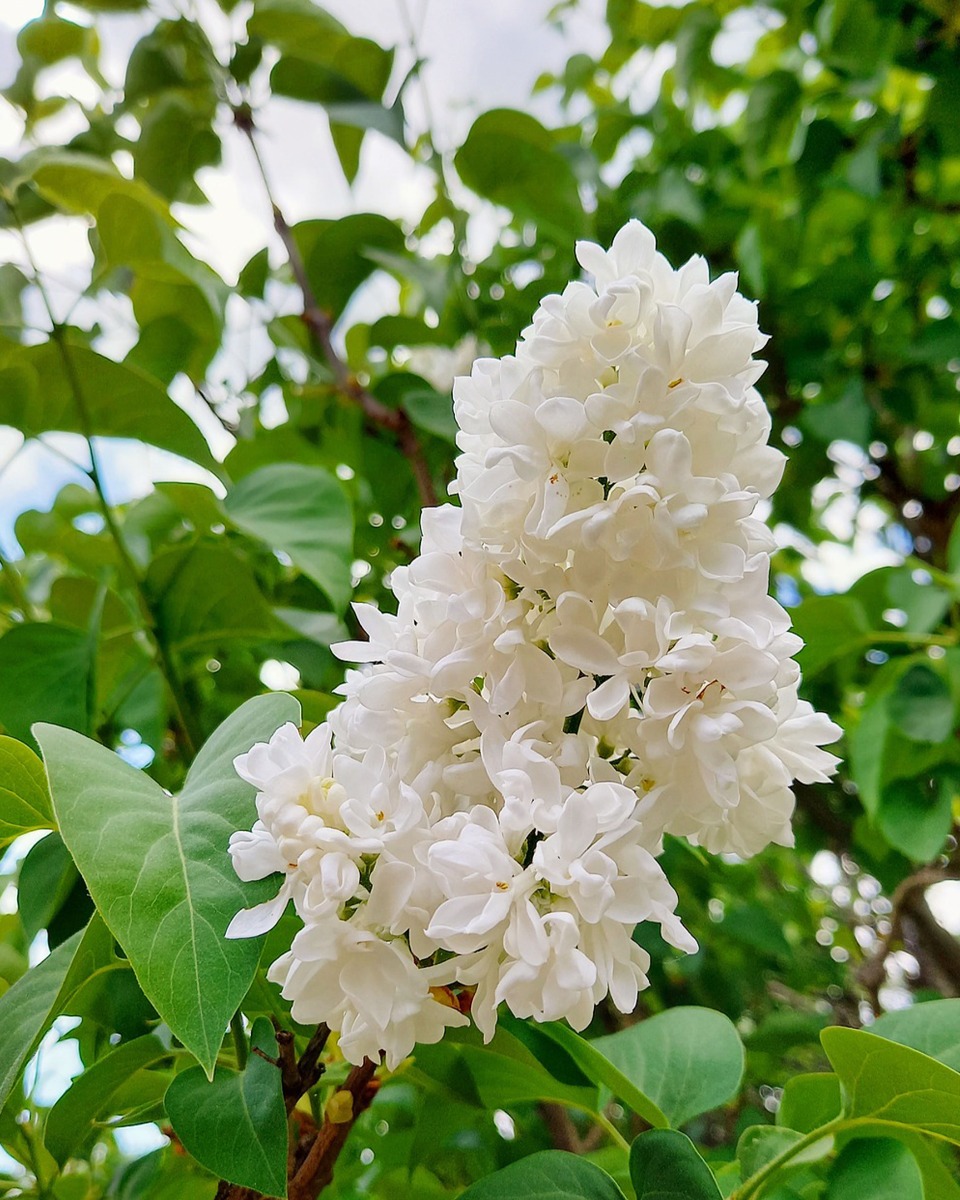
(168,666)
(898,637)
(17,590)
(756,1183)
(239,1039)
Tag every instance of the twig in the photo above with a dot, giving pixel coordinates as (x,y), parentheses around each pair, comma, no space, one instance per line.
(320,324)
(345,1106)
(181,706)
(909,905)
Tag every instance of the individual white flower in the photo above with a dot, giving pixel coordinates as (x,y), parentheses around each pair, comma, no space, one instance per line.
(367,988)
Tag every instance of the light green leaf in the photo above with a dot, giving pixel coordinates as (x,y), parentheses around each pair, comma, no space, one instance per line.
(761,1144)
(932,1028)
(600,1067)
(548,1175)
(89,1101)
(24,796)
(45,672)
(236,1124)
(875,1169)
(511,159)
(665,1165)
(809,1101)
(80,183)
(121,401)
(303,511)
(158,870)
(687,1060)
(888,1082)
(28,1009)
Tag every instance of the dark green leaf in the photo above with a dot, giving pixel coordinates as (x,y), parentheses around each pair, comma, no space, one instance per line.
(809,1101)
(665,1165)
(603,1068)
(511,159)
(206,595)
(335,254)
(916,815)
(875,1169)
(90,1101)
(236,1123)
(921,705)
(44,673)
(548,1175)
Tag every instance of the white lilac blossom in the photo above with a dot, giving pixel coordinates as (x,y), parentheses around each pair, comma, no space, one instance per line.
(584,658)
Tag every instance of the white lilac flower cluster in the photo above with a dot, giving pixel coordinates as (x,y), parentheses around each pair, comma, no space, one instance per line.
(584,658)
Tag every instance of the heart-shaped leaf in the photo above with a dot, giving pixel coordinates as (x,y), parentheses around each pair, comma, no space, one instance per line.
(236,1124)
(548,1175)
(157,865)
(665,1165)
(884,1080)
(686,1060)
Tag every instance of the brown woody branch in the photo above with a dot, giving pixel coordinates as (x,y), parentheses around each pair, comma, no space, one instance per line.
(345,1106)
(913,925)
(313,1151)
(319,322)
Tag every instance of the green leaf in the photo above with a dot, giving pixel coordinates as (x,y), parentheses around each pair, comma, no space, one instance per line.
(90,1099)
(236,1124)
(51,39)
(121,400)
(597,1065)
(28,1009)
(916,815)
(875,1169)
(885,1081)
(335,254)
(303,511)
(809,1101)
(80,183)
(665,1165)
(48,887)
(205,595)
(932,1028)
(831,627)
(24,796)
(921,705)
(547,1175)
(45,673)
(687,1060)
(761,1144)
(162,878)
(509,158)
(502,1080)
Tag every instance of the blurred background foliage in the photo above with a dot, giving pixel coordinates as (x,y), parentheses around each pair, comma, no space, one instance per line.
(812,145)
